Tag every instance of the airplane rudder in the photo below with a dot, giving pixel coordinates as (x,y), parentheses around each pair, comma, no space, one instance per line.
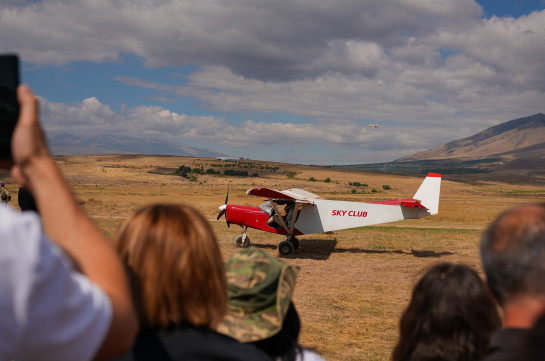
(429,192)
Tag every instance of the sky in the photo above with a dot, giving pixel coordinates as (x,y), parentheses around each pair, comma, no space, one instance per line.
(296,81)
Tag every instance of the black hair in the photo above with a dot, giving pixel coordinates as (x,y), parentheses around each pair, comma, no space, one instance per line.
(451,317)
(26,201)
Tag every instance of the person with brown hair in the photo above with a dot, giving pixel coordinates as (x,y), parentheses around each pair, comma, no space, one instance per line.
(451,317)
(179,286)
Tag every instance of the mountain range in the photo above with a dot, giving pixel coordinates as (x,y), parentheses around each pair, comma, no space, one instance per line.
(69,144)
(515,139)
(511,150)
(516,147)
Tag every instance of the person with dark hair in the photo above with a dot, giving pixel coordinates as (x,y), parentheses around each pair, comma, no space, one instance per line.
(261,311)
(179,287)
(26,201)
(65,294)
(451,317)
(513,258)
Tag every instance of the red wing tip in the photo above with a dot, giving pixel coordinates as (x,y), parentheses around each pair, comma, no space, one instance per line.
(437,175)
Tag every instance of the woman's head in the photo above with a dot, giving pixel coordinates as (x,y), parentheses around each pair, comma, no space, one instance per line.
(451,316)
(175,266)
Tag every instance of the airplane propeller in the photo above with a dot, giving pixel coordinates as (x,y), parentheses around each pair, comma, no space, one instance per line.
(223,208)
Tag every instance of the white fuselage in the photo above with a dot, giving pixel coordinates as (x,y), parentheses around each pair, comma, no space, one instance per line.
(328,215)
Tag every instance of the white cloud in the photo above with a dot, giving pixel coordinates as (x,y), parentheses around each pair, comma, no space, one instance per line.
(428,71)
(90,116)
(509,46)
(257,38)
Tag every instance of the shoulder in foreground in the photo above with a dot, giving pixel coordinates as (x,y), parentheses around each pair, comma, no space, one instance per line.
(187,342)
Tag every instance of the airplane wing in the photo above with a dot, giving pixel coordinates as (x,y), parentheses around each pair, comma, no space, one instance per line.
(409,202)
(295,194)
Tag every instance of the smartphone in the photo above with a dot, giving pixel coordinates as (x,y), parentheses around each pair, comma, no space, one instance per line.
(9,106)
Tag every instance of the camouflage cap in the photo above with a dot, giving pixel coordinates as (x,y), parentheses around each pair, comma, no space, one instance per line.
(260,288)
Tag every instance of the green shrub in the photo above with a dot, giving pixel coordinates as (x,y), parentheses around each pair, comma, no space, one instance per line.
(182,171)
(358,184)
(235,173)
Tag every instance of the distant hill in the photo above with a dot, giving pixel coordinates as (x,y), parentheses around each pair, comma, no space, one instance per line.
(510,150)
(69,144)
(519,138)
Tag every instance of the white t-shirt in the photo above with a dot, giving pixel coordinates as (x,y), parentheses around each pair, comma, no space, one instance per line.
(48,311)
(308,355)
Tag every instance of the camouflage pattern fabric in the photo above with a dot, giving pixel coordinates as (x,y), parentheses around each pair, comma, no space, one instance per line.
(260,288)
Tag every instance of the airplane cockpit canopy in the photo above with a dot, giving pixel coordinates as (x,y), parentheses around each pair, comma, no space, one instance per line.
(266,207)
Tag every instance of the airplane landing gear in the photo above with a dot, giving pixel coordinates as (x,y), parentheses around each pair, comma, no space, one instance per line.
(294,241)
(242,241)
(285,248)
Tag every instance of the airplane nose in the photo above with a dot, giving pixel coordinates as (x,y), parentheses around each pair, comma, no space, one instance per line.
(222,209)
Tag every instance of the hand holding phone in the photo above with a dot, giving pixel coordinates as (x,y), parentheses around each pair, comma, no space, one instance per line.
(9,106)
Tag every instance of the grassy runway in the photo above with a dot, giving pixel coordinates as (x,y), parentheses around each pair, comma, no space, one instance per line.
(354,284)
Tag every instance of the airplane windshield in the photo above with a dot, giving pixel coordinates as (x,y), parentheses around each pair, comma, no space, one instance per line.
(266,207)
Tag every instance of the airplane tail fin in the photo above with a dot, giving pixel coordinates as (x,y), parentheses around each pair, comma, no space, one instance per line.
(428,193)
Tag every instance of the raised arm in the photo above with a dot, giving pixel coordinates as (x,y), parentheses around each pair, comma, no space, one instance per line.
(68,225)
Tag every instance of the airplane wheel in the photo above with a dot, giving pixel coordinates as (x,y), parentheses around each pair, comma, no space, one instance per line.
(285,248)
(240,243)
(294,241)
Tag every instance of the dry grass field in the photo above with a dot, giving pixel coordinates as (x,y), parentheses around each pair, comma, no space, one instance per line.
(354,284)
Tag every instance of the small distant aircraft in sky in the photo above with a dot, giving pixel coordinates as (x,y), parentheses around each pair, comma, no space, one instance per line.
(295,212)
(373,125)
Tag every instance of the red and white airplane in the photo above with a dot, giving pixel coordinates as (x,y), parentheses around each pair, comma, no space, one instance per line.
(294,212)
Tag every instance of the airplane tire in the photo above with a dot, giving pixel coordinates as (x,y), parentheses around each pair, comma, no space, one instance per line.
(240,244)
(285,248)
(294,241)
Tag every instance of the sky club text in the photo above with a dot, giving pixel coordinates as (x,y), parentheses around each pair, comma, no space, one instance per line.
(342,213)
